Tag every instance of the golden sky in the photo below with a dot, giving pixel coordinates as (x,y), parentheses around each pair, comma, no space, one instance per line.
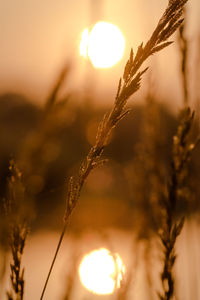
(36,37)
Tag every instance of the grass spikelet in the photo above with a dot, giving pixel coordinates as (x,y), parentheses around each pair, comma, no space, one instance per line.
(17,244)
(171,227)
(168,23)
(18,231)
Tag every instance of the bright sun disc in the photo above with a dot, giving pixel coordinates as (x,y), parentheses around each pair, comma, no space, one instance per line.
(101,272)
(104,44)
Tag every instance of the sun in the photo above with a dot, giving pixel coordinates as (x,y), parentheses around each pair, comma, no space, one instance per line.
(101,272)
(104,44)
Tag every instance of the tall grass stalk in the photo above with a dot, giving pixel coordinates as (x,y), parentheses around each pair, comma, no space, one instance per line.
(178,189)
(18,230)
(128,85)
(178,194)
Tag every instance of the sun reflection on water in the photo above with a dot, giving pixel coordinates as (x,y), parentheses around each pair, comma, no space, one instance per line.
(101,271)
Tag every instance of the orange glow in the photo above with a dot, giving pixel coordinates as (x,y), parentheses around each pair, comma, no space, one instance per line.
(84,43)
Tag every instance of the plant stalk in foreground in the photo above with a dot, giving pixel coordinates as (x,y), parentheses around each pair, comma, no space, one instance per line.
(128,85)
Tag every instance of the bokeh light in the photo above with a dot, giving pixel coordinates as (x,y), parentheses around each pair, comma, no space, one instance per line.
(101,272)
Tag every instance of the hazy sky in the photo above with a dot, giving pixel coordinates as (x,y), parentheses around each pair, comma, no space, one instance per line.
(37,36)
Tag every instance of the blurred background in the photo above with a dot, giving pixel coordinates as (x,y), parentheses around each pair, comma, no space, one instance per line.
(52,100)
